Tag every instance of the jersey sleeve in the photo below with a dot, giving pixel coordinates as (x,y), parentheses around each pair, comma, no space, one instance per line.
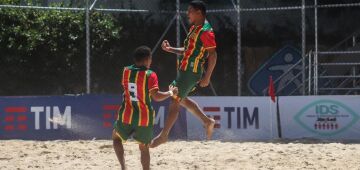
(153,82)
(208,39)
(123,78)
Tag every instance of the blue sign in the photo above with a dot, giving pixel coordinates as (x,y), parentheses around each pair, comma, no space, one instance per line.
(71,117)
(277,65)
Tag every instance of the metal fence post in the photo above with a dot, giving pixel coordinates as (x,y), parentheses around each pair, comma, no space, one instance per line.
(314,74)
(354,79)
(303,45)
(310,75)
(87,24)
(238,24)
(354,41)
(316,50)
(177,24)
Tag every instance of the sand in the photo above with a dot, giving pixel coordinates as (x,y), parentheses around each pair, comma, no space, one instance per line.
(99,155)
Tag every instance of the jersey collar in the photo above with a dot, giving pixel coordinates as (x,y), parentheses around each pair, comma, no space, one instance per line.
(139,67)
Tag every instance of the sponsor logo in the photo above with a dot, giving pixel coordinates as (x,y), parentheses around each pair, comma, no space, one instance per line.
(326,117)
(235,117)
(109,115)
(53,115)
(17,117)
(160,117)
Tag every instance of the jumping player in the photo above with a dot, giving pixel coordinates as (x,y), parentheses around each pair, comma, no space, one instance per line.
(199,45)
(136,114)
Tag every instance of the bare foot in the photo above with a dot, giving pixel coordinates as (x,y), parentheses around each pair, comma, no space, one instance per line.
(158,140)
(209,127)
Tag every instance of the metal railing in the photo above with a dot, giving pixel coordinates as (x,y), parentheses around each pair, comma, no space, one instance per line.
(327,85)
(342,48)
(298,63)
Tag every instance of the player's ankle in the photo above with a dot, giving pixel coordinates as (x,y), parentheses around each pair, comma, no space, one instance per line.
(164,135)
(209,121)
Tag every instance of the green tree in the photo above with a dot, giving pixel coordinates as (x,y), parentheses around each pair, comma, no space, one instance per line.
(43,51)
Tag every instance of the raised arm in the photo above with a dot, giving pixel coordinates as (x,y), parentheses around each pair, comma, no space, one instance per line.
(167,47)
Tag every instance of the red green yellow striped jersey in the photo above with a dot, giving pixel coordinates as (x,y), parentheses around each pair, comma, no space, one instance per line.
(136,108)
(198,40)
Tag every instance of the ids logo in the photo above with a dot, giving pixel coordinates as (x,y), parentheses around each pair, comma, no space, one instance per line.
(326,117)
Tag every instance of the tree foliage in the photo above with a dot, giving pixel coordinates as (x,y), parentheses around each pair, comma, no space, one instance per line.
(43,51)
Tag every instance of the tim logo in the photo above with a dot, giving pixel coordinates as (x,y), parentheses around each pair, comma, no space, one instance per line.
(234,117)
(109,115)
(326,117)
(18,118)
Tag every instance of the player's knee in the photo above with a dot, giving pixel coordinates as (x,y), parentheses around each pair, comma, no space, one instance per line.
(144,147)
(175,101)
(115,137)
(189,103)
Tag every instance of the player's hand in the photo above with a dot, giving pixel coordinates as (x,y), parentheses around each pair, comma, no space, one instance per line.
(166,46)
(174,89)
(204,82)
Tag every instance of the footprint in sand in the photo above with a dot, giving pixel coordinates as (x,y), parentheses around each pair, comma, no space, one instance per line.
(43,146)
(44,153)
(230,160)
(161,163)
(105,146)
(5,159)
(23,155)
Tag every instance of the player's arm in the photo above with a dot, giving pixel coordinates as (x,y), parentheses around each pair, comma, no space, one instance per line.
(158,95)
(154,91)
(174,50)
(212,57)
(167,47)
(208,40)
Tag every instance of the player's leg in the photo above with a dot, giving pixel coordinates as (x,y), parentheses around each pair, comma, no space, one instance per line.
(189,80)
(144,134)
(185,81)
(195,109)
(169,123)
(145,156)
(120,134)
(172,117)
(119,149)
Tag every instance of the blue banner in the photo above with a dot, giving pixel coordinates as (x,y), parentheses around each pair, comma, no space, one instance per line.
(71,117)
(276,66)
(236,118)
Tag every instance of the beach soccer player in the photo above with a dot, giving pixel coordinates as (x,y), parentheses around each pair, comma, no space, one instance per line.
(136,115)
(199,46)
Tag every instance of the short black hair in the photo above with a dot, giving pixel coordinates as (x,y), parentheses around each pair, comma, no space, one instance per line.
(141,53)
(198,5)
